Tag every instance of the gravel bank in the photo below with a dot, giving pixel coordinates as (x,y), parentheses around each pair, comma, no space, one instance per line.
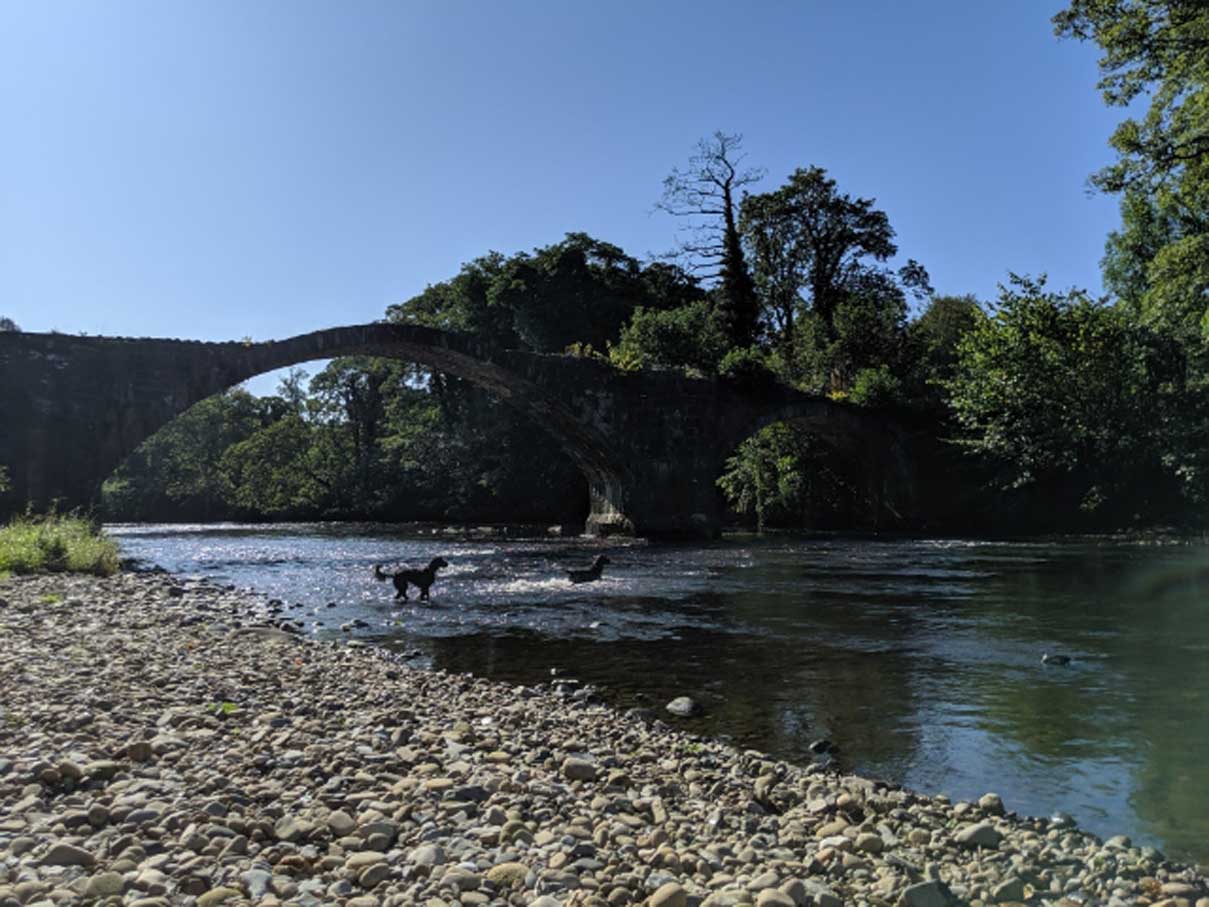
(155,749)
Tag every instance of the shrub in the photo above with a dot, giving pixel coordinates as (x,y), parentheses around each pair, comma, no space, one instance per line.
(876,387)
(748,365)
(54,543)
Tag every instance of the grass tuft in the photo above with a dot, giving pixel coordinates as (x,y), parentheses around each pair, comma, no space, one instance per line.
(56,544)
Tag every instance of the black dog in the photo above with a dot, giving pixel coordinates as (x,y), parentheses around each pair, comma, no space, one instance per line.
(421,579)
(592,573)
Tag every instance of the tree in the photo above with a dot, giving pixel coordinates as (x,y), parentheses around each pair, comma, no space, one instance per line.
(1159,47)
(784,476)
(176,472)
(278,472)
(815,252)
(808,236)
(1073,398)
(707,195)
(932,343)
(685,337)
(7,324)
(581,290)
(1159,260)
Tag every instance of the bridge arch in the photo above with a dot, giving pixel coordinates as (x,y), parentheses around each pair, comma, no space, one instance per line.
(874,442)
(81,405)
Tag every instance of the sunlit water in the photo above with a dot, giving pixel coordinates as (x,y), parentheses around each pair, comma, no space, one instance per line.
(920,658)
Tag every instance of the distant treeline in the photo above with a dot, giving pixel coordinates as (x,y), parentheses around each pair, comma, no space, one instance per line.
(1068,412)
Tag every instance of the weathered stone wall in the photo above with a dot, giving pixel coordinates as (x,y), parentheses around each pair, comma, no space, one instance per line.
(651,444)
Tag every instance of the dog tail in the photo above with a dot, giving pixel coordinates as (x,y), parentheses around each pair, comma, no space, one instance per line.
(379,575)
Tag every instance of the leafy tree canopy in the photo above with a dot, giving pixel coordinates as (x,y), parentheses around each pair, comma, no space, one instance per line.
(581,290)
(1066,393)
(1155,47)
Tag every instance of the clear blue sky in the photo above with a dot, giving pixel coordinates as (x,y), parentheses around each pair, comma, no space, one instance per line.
(222,169)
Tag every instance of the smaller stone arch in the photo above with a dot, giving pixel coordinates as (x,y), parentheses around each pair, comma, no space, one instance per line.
(875,440)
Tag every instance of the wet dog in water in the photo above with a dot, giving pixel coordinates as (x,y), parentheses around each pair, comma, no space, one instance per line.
(591,574)
(421,579)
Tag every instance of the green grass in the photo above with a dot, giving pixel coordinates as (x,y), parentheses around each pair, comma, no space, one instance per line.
(54,544)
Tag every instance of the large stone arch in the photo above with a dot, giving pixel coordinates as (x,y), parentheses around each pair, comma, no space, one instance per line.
(75,407)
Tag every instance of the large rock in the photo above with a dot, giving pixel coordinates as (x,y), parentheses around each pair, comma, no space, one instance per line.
(292,829)
(684,707)
(105,885)
(507,874)
(576,769)
(63,854)
(102,769)
(341,823)
(980,835)
(992,803)
(427,855)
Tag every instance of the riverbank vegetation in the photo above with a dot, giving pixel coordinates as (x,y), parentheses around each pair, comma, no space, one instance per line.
(1052,410)
(56,543)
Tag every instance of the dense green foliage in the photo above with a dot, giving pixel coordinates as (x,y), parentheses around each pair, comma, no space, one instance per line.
(56,543)
(1075,401)
(1158,262)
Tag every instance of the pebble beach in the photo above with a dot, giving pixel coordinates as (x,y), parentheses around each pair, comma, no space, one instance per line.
(163,743)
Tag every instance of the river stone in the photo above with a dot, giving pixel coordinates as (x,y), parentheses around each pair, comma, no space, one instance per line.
(139,751)
(292,828)
(831,829)
(771,897)
(980,835)
(341,823)
(219,895)
(576,769)
(427,855)
(358,861)
(1179,890)
(1011,889)
(69,769)
(668,895)
(373,875)
(507,874)
(926,894)
(105,885)
(729,897)
(991,803)
(820,895)
(63,854)
(102,769)
(684,707)
(870,843)
(796,890)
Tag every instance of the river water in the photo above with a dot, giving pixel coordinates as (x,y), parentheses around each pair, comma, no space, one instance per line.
(919,658)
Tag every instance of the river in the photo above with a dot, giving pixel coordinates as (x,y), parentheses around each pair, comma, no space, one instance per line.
(919,658)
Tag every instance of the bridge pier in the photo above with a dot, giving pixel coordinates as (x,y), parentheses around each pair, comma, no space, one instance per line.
(659,499)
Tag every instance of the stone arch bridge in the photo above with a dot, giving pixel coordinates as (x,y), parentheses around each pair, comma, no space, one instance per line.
(651,444)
